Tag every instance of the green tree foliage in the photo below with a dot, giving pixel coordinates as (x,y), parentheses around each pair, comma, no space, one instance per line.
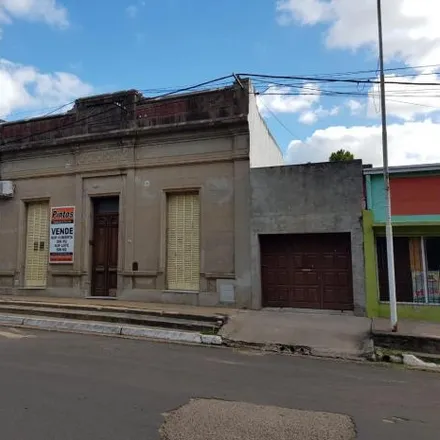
(341,155)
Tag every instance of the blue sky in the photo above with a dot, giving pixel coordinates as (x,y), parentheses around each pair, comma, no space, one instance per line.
(152,44)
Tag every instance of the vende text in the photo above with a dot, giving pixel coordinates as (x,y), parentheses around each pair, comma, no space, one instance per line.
(62,231)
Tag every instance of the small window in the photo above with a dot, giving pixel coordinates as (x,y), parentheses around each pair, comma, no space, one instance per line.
(106,205)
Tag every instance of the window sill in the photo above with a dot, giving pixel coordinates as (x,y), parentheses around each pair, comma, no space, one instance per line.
(192,292)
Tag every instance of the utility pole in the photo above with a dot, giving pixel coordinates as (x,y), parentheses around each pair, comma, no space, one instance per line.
(386,178)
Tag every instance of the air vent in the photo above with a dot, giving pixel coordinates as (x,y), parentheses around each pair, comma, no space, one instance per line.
(6,189)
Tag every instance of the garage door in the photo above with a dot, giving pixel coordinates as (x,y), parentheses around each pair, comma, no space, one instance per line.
(307,271)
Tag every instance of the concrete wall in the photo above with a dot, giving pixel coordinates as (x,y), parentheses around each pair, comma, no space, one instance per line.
(312,198)
(140,170)
(264,150)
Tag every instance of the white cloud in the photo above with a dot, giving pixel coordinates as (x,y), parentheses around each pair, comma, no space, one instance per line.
(409,143)
(131,11)
(288,100)
(410,26)
(311,116)
(356,106)
(410,36)
(305,11)
(48,11)
(25,88)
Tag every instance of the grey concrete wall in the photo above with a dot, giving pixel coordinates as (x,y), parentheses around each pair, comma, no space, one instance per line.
(312,198)
(264,150)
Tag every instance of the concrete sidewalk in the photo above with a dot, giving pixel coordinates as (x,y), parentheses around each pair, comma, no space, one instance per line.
(309,332)
(412,336)
(410,328)
(319,334)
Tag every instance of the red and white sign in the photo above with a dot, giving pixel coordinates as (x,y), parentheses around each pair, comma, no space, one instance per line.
(62,235)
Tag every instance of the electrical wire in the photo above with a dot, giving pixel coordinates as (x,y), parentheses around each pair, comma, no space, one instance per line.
(391,69)
(351,96)
(182,90)
(277,118)
(51,111)
(336,80)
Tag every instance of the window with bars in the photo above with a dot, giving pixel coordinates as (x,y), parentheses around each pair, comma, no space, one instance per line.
(183,241)
(417,269)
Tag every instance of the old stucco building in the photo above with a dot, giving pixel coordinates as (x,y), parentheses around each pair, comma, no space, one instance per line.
(133,198)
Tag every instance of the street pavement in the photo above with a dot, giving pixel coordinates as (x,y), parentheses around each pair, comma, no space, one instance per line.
(70,386)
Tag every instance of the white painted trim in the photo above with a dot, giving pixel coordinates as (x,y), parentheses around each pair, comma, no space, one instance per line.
(425,272)
(413,304)
(405,169)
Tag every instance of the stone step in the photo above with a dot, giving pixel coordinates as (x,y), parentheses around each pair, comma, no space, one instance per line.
(117,317)
(217,318)
(411,343)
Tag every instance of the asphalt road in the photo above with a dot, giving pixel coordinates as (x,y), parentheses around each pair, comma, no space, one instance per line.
(66,386)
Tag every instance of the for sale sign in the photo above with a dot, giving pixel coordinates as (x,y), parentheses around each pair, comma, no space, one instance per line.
(62,234)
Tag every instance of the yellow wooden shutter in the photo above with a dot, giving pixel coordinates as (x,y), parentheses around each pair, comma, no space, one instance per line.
(183,241)
(37,244)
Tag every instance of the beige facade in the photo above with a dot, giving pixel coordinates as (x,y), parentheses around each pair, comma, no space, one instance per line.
(183,206)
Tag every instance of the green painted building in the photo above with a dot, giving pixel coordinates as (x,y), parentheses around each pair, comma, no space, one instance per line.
(415,209)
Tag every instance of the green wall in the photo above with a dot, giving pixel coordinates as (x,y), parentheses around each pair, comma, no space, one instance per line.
(376,201)
(374,307)
(407,311)
(371,283)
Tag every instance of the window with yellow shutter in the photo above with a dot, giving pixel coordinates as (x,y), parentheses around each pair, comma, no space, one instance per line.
(37,244)
(183,241)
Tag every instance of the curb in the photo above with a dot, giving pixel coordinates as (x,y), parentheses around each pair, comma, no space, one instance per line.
(407,359)
(301,350)
(96,328)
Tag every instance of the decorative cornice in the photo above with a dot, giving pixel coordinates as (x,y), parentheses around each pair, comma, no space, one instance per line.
(107,168)
(229,123)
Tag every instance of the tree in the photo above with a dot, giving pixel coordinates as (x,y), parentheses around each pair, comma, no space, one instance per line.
(341,155)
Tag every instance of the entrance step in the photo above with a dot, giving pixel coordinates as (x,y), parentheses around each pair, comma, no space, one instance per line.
(411,337)
(138,317)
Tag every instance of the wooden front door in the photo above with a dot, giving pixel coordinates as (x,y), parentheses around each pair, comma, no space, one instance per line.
(105,247)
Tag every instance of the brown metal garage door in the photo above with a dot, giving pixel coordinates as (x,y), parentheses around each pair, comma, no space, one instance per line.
(307,271)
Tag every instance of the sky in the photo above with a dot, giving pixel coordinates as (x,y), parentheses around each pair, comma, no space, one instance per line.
(53,51)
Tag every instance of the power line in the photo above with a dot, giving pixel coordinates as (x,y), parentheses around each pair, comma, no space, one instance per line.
(42,110)
(273,88)
(337,80)
(358,72)
(276,117)
(51,110)
(352,95)
(182,90)
(57,109)
(186,89)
